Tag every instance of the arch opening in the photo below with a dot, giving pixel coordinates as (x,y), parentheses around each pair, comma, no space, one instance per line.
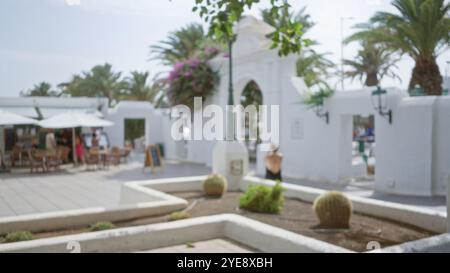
(252,96)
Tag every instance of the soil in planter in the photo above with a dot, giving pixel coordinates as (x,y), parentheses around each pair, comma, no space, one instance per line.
(299,217)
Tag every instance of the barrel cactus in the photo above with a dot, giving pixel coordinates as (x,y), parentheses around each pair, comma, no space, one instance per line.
(334,210)
(215,185)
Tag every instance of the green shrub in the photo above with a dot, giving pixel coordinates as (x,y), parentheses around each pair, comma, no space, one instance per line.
(179,215)
(100,226)
(314,99)
(215,185)
(263,199)
(334,210)
(18,236)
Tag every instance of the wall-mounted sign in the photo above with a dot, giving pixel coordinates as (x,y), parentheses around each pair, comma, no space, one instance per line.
(237,167)
(297,128)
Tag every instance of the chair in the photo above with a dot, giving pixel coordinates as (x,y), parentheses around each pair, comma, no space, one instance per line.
(93,157)
(65,151)
(54,161)
(113,158)
(35,162)
(16,155)
(125,153)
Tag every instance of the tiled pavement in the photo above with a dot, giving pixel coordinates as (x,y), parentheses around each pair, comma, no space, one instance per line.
(216,246)
(23,193)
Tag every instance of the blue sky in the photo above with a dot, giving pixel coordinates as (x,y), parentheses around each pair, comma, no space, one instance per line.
(50,40)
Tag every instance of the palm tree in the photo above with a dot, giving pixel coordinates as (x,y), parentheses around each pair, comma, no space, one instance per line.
(420,30)
(74,87)
(311,66)
(139,89)
(182,44)
(103,81)
(42,89)
(372,63)
(301,17)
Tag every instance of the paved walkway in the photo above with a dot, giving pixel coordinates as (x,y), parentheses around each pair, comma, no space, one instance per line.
(211,246)
(23,193)
(75,188)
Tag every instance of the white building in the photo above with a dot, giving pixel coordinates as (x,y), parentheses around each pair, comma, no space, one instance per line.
(412,153)
(45,107)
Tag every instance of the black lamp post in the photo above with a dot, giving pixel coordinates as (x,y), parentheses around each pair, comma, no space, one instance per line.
(379,102)
(321,113)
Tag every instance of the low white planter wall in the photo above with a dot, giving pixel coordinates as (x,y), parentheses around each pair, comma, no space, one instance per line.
(148,203)
(254,234)
(437,244)
(261,237)
(423,218)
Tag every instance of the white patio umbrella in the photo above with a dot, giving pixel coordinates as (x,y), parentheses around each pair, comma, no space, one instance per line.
(8,118)
(74,120)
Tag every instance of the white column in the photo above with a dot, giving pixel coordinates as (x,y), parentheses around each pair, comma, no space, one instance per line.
(448,205)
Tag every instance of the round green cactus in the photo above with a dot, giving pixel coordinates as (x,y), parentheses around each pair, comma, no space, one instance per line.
(215,185)
(334,210)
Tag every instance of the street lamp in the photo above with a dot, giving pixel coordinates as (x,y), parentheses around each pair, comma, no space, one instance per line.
(342,49)
(379,102)
(321,113)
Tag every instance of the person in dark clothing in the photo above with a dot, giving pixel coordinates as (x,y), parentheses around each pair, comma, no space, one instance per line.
(274,160)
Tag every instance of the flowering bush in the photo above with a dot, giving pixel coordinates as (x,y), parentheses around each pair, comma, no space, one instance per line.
(189,79)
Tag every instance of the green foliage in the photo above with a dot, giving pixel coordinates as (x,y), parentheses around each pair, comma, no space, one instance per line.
(183,44)
(223,14)
(134,128)
(138,87)
(313,67)
(263,199)
(313,99)
(215,185)
(251,95)
(43,89)
(420,29)
(279,21)
(334,210)
(18,236)
(372,64)
(190,245)
(100,81)
(179,215)
(100,226)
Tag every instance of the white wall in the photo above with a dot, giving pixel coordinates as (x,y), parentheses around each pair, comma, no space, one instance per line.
(415,159)
(412,154)
(441,147)
(154,131)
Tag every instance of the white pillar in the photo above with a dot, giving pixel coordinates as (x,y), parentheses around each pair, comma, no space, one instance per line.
(448,205)
(230,159)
